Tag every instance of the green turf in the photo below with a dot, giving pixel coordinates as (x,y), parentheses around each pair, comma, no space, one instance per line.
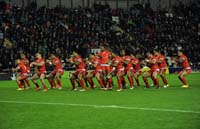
(44,116)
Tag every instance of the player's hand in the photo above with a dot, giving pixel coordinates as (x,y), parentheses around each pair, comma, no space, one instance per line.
(32,63)
(146,60)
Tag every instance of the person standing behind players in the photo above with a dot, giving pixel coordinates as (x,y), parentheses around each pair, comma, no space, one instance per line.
(137,68)
(25,61)
(56,73)
(40,72)
(80,71)
(186,69)
(162,66)
(153,73)
(128,66)
(104,57)
(22,75)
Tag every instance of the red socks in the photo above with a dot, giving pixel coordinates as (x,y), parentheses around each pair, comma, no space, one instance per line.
(82,83)
(100,83)
(119,80)
(146,82)
(52,83)
(59,83)
(131,81)
(73,83)
(164,80)
(183,80)
(91,82)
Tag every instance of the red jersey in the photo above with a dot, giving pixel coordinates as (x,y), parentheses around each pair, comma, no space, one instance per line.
(154,66)
(22,68)
(79,60)
(96,61)
(42,68)
(104,57)
(136,64)
(25,61)
(161,61)
(185,63)
(57,63)
(128,64)
(117,60)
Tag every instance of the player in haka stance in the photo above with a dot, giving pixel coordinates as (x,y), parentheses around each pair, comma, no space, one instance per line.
(40,71)
(162,66)
(22,74)
(25,61)
(137,68)
(56,73)
(80,71)
(186,69)
(118,70)
(127,61)
(153,73)
(97,72)
(104,57)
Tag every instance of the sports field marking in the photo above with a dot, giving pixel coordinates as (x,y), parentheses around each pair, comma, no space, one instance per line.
(104,106)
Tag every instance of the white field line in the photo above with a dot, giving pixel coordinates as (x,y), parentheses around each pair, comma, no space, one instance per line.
(104,106)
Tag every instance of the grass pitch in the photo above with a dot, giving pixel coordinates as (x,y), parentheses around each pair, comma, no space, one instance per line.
(171,108)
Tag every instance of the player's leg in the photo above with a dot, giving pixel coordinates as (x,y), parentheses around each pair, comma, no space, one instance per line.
(81,81)
(28,83)
(19,80)
(181,77)
(130,78)
(99,78)
(119,80)
(34,80)
(73,80)
(42,77)
(50,78)
(89,77)
(155,78)
(145,77)
(163,77)
(58,78)
(108,80)
(136,77)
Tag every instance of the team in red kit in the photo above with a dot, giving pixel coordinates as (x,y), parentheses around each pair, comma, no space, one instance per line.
(105,65)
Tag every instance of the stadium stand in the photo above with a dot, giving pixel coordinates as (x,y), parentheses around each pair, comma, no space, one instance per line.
(62,30)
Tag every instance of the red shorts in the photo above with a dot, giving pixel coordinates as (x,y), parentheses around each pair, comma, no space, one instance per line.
(107,69)
(188,71)
(23,76)
(56,71)
(122,72)
(80,71)
(163,69)
(41,72)
(154,70)
(94,72)
(139,71)
(129,69)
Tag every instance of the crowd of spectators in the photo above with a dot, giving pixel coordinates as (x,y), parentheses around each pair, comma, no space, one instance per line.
(31,29)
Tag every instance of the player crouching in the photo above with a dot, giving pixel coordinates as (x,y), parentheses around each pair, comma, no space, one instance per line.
(22,74)
(56,73)
(80,71)
(153,73)
(40,71)
(97,72)
(118,70)
(127,61)
(186,69)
